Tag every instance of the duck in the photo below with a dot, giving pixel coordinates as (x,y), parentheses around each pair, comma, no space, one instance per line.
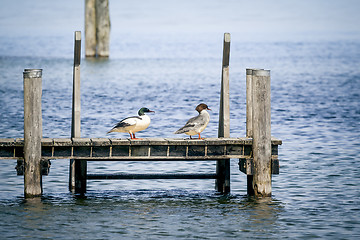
(195,125)
(133,124)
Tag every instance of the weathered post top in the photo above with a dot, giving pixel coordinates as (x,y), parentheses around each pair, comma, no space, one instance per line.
(261,72)
(32,73)
(226,51)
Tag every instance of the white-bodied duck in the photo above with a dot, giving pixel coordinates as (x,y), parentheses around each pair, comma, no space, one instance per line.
(196,124)
(133,124)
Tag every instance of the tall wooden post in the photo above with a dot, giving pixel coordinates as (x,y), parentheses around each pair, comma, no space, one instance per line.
(261,124)
(32,132)
(76,105)
(223,166)
(97,28)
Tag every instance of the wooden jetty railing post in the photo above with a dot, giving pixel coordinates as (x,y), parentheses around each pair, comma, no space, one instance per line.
(32,132)
(97,28)
(223,166)
(75,177)
(261,126)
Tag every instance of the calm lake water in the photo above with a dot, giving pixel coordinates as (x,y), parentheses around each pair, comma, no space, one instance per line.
(315,111)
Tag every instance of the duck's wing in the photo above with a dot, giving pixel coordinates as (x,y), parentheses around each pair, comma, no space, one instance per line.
(191,124)
(126,122)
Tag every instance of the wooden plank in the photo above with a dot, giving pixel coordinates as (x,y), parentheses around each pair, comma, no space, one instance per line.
(62,148)
(32,132)
(7,148)
(100,142)
(7,142)
(84,142)
(19,147)
(81,147)
(119,141)
(152,176)
(101,147)
(148,141)
(47,149)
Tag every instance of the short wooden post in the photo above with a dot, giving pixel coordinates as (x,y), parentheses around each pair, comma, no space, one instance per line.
(223,166)
(32,132)
(76,106)
(261,124)
(97,28)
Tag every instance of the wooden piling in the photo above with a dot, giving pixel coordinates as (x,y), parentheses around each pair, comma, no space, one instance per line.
(76,106)
(249,101)
(32,132)
(90,28)
(223,166)
(102,27)
(224,112)
(97,28)
(261,126)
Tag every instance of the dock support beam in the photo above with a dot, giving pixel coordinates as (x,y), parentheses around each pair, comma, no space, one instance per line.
(32,132)
(223,166)
(261,128)
(97,28)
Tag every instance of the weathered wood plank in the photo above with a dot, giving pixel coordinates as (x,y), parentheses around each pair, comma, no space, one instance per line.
(120,149)
(153,176)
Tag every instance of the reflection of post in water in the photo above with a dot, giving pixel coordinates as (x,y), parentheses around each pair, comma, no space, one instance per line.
(264,213)
(35,213)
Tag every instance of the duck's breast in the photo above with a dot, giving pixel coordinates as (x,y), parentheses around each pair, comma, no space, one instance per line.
(142,123)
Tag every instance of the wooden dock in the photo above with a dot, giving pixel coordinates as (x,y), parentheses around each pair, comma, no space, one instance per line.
(150,149)
(257,153)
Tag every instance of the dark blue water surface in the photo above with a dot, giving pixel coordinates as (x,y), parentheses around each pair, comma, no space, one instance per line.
(315,112)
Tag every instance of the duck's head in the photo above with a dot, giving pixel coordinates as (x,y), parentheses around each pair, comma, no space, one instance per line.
(143,110)
(201,107)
